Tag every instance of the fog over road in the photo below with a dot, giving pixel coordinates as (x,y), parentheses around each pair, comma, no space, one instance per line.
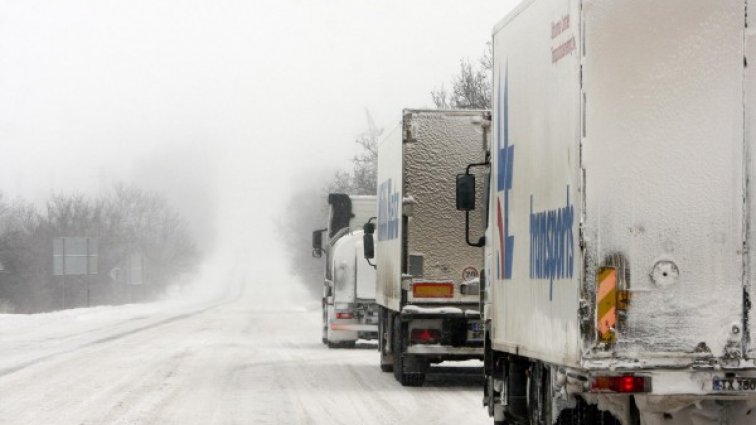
(240,358)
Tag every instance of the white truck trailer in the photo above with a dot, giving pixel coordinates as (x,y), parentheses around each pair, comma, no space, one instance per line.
(426,276)
(619,271)
(348,303)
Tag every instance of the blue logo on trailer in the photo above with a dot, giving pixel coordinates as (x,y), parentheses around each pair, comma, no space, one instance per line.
(505,158)
(388,212)
(552,248)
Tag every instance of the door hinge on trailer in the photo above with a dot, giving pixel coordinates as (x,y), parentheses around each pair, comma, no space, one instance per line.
(408,129)
(581,236)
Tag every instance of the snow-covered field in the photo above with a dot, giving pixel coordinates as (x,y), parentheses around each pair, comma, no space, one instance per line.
(239,358)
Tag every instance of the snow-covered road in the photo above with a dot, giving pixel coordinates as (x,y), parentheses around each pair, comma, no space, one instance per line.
(233,360)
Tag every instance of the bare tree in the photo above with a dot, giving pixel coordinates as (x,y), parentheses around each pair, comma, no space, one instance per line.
(307,210)
(72,215)
(145,224)
(362,179)
(471,88)
(20,251)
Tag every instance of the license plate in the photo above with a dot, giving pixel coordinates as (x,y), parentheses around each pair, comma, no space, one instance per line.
(735,384)
(474,331)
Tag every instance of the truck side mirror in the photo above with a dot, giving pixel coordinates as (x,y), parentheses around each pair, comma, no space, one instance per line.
(368,228)
(328,292)
(369,247)
(368,244)
(465,192)
(317,243)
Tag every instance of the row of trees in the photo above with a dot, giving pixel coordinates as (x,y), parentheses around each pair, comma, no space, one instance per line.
(127,223)
(306,211)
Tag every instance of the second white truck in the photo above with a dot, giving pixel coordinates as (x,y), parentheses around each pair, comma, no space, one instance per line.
(426,275)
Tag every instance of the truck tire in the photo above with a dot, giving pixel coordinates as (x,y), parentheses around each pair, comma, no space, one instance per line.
(396,346)
(539,397)
(387,362)
(413,379)
(408,378)
(324,337)
(585,413)
(387,367)
(342,344)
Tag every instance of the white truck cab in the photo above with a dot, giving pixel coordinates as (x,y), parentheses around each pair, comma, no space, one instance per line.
(350,311)
(348,303)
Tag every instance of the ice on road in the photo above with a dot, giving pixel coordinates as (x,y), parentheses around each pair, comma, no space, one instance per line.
(240,359)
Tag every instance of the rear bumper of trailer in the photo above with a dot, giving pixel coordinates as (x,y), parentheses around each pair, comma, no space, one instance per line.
(453,333)
(354,327)
(719,384)
(679,396)
(683,384)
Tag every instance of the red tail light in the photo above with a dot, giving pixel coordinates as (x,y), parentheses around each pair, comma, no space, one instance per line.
(621,384)
(345,315)
(425,336)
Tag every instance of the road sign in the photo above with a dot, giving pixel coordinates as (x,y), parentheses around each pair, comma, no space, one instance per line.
(470,273)
(74,256)
(130,271)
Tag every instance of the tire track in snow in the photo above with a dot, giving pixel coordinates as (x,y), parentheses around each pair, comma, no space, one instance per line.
(160,379)
(241,363)
(13,369)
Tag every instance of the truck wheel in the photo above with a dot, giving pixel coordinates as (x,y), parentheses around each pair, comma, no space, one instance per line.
(387,367)
(324,337)
(408,378)
(396,347)
(387,362)
(413,379)
(539,397)
(585,413)
(342,344)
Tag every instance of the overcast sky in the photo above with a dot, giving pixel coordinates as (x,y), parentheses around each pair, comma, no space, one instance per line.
(225,105)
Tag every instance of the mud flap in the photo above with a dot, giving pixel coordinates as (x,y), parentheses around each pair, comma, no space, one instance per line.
(517,389)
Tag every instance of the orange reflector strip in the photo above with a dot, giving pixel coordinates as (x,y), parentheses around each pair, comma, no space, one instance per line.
(606,304)
(433,290)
